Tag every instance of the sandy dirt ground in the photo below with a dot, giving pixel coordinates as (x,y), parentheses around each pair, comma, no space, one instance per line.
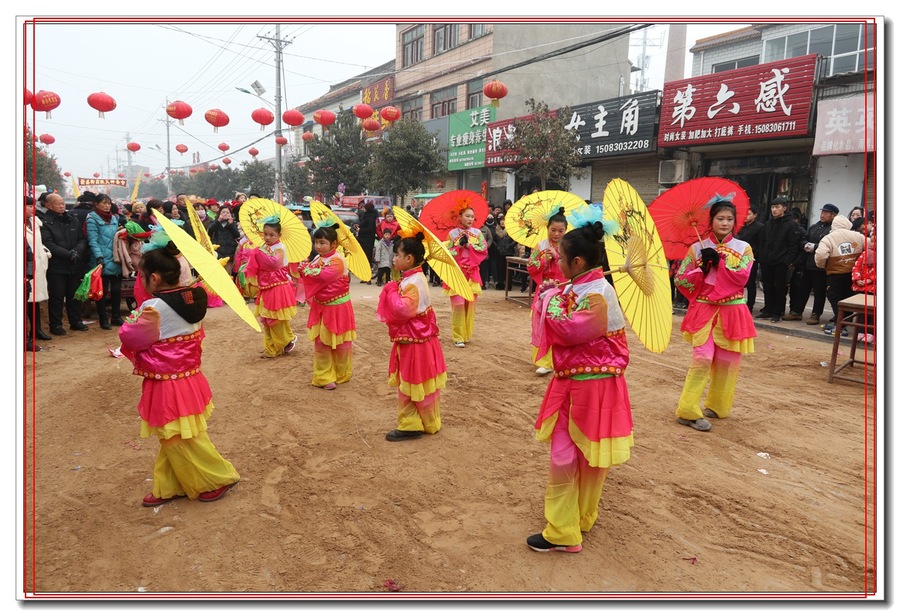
(772,500)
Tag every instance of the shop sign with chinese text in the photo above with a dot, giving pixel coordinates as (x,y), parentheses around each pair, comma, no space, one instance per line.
(845,125)
(378,94)
(766,101)
(615,127)
(497,153)
(467,140)
(102,182)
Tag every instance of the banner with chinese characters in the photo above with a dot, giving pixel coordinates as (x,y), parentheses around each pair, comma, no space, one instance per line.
(467,137)
(102,182)
(845,125)
(766,101)
(380,93)
(617,126)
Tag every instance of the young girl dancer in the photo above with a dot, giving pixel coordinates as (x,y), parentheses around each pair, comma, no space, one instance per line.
(417,365)
(586,413)
(469,249)
(717,324)
(276,302)
(248,286)
(162,338)
(331,323)
(543,267)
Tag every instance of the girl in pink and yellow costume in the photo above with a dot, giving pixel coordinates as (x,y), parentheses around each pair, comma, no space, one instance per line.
(466,244)
(416,365)
(543,267)
(717,324)
(162,338)
(275,303)
(331,322)
(586,412)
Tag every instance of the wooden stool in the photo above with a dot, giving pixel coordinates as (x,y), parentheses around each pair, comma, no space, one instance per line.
(857,314)
(518,264)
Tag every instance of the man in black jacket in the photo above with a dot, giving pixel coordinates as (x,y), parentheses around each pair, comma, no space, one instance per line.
(813,276)
(779,246)
(68,246)
(751,232)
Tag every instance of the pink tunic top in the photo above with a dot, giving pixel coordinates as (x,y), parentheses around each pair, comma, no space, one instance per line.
(269,266)
(326,282)
(470,256)
(543,264)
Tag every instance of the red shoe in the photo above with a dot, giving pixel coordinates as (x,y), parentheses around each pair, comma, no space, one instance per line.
(330,386)
(152,501)
(208,497)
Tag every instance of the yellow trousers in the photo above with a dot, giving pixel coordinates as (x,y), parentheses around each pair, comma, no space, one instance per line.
(276,337)
(462,318)
(190,466)
(573,490)
(544,362)
(424,415)
(714,365)
(332,365)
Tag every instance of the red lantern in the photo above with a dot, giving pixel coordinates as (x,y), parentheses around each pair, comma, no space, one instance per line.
(179,110)
(96,175)
(67,174)
(44,100)
(371,125)
(292,117)
(181,148)
(263,117)
(102,102)
(217,118)
(223,147)
(28,96)
(194,170)
(495,90)
(213,167)
(308,136)
(133,147)
(121,175)
(47,139)
(253,152)
(324,117)
(362,111)
(226,161)
(146,175)
(281,140)
(390,114)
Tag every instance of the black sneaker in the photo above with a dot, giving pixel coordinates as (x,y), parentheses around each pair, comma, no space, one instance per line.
(403,435)
(776,319)
(58,330)
(764,315)
(79,327)
(539,544)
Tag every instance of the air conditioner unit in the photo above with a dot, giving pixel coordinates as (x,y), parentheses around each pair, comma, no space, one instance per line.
(672,171)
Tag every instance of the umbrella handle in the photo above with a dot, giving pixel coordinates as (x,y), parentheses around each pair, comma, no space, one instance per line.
(699,239)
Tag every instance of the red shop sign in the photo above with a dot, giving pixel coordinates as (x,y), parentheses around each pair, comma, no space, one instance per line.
(766,101)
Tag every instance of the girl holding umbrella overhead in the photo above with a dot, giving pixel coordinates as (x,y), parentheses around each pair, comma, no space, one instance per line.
(717,324)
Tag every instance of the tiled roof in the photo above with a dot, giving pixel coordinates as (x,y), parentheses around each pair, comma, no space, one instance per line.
(734,36)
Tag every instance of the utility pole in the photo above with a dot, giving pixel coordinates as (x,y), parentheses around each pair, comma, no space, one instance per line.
(168,122)
(129,175)
(279,45)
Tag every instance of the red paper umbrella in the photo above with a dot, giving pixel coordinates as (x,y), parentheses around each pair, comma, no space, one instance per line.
(253,152)
(324,117)
(67,174)
(226,161)
(28,96)
(281,140)
(263,117)
(179,110)
(681,213)
(308,136)
(181,148)
(495,90)
(44,100)
(390,114)
(370,125)
(102,102)
(96,175)
(47,139)
(133,147)
(442,213)
(292,117)
(363,111)
(224,147)
(217,118)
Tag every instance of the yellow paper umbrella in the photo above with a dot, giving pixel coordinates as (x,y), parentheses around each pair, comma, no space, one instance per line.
(436,253)
(638,264)
(357,260)
(526,220)
(208,267)
(294,234)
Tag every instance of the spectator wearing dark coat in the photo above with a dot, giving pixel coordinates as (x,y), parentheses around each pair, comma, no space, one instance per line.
(63,237)
(751,232)
(224,232)
(814,276)
(368,220)
(778,249)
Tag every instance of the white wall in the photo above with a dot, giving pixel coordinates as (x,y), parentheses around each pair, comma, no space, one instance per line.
(839,180)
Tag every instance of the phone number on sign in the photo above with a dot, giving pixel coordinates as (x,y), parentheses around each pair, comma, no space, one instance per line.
(622,146)
(774,127)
